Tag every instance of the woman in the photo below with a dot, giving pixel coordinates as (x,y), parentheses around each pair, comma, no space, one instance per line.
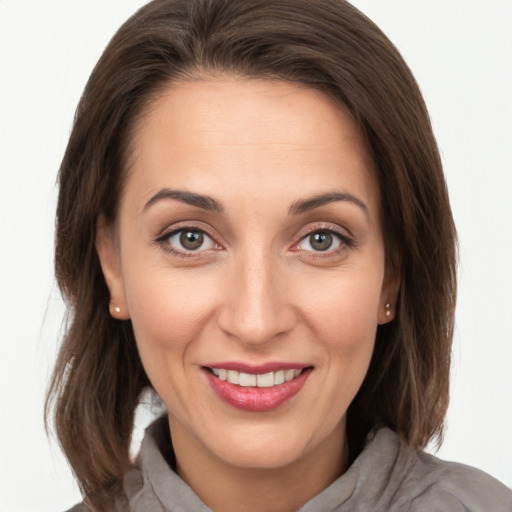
(253,222)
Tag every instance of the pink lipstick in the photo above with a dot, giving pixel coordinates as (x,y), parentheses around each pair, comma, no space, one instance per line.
(256,387)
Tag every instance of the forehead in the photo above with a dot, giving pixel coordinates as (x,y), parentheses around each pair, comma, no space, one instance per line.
(203,133)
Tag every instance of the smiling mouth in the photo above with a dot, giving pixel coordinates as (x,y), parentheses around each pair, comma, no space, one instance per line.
(260,380)
(256,389)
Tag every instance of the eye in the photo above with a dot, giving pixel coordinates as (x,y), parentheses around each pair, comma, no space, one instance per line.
(189,240)
(320,241)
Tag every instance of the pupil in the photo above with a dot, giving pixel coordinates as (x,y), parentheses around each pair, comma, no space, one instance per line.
(321,241)
(191,240)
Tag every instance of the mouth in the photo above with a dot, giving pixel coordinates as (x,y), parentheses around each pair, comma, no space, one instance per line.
(258,389)
(260,380)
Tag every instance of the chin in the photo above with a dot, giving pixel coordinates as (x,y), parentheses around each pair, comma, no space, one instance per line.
(273,453)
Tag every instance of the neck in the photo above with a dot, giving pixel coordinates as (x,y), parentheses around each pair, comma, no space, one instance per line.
(227,488)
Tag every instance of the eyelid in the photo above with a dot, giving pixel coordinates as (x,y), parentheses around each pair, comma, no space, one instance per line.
(173,230)
(345,238)
(343,235)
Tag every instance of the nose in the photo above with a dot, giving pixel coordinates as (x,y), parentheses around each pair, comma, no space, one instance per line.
(257,307)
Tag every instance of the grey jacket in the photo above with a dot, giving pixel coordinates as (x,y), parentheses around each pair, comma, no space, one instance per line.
(386,477)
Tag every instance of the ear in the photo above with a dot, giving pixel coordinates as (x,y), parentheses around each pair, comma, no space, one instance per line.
(108,254)
(389,293)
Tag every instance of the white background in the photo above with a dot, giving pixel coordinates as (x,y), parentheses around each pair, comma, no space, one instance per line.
(461,54)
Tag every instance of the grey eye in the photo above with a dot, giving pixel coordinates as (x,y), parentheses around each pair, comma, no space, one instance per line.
(191,240)
(320,241)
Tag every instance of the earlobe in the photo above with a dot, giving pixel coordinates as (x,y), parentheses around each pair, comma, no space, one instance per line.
(389,296)
(116,311)
(110,265)
(386,314)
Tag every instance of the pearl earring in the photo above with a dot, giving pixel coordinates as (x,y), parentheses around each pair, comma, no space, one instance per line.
(114,308)
(388,310)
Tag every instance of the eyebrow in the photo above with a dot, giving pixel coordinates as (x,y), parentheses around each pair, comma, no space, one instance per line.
(306,205)
(210,204)
(201,201)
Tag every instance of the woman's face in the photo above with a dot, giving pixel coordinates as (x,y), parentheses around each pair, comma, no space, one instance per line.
(248,247)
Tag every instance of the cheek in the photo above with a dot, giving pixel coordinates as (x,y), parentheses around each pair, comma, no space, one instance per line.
(342,315)
(345,303)
(168,312)
(168,308)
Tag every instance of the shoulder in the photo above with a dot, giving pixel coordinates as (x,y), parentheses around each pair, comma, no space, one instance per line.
(432,485)
(394,477)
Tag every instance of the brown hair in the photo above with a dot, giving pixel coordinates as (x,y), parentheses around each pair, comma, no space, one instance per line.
(327,45)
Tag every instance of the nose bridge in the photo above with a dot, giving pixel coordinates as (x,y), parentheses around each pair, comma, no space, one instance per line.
(258,308)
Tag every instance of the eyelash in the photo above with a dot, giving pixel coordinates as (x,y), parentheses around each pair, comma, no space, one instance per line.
(164,239)
(346,242)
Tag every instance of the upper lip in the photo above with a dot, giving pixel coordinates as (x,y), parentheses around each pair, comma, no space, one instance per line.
(257,369)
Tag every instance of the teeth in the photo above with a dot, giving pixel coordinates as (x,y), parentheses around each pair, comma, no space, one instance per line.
(247,379)
(279,377)
(289,375)
(264,380)
(233,377)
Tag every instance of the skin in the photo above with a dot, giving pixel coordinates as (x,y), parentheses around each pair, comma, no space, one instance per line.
(257,291)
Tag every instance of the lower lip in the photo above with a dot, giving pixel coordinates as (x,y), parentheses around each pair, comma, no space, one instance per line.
(253,398)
